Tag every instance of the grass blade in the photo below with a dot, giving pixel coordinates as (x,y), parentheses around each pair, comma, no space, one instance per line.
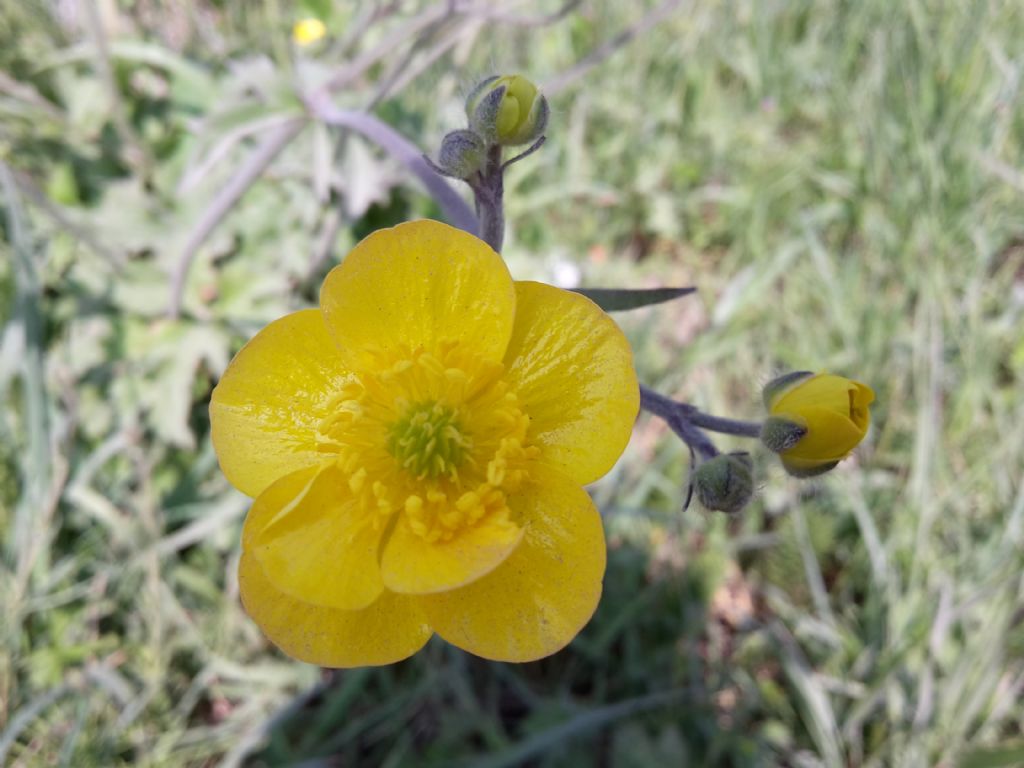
(579,725)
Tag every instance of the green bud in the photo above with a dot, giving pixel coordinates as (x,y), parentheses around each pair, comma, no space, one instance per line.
(462,153)
(725,482)
(777,387)
(507,110)
(780,434)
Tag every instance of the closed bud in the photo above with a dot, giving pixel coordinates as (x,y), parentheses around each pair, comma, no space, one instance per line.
(507,110)
(816,420)
(725,482)
(462,154)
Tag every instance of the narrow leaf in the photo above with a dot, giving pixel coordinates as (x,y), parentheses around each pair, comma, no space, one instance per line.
(621,299)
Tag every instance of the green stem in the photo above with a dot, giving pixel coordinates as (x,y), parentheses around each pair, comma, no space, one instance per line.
(725,426)
(676,418)
(689,423)
(489,191)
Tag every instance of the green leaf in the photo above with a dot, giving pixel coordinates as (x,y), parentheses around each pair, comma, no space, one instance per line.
(621,299)
(319,9)
(996,757)
(193,84)
(579,725)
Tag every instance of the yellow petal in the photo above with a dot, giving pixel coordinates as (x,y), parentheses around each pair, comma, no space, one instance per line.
(266,408)
(508,116)
(416,285)
(572,369)
(830,436)
(391,629)
(522,90)
(822,391)
(860,398)
(775,389)
(411,565)
(312,541)
(535,602)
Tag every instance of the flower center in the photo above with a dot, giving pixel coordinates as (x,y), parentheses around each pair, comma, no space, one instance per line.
(439,438)
(427,441)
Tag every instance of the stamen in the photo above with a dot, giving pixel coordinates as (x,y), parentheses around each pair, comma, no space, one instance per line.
(437,437)
(427,440)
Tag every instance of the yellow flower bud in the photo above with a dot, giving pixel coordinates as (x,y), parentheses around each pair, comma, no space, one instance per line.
(816,420)
(507,110)
(308,31)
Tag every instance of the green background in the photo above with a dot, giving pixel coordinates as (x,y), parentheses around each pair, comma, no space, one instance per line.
(842,180)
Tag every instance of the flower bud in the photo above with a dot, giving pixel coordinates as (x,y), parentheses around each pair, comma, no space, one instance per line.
(507,110)
(725,482)
(816,420)
(462,154)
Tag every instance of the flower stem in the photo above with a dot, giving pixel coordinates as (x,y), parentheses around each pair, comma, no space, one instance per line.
(674,414)
(726,426)
(489,191)
(689,423)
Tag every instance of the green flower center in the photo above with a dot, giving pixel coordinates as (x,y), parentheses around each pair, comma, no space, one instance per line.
(427,441)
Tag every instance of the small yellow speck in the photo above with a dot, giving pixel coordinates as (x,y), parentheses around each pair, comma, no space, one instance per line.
(308,31)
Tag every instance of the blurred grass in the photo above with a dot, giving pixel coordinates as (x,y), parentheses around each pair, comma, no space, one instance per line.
(844,181)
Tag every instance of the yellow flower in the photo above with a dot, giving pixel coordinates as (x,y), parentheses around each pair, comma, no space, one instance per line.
(308,31)
(416,447)
(507,110)
(816,420)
